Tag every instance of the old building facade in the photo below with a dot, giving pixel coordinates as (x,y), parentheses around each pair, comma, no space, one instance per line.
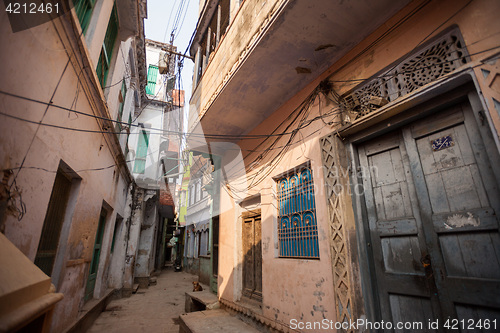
(369,135)
(74,199)
(197,218)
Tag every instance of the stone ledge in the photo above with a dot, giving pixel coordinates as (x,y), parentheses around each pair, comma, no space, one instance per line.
(213,321)
(89,313)
(201,300)
(260,321)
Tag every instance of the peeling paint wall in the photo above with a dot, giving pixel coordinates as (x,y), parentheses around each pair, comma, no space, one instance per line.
(144,263)
(34,66)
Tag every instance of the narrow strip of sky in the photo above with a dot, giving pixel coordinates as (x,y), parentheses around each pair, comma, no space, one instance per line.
(159,24)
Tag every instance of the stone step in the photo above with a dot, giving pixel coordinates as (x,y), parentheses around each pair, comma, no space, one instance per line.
(201,300)
(213,321)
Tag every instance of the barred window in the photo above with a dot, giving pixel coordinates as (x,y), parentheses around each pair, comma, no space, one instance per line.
(297,227)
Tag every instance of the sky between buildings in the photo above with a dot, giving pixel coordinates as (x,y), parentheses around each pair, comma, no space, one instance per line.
(161,20)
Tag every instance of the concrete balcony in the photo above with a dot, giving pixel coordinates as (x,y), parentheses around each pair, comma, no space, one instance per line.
(270,51)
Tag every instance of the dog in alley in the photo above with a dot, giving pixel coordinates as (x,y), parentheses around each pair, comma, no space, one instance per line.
(197,286)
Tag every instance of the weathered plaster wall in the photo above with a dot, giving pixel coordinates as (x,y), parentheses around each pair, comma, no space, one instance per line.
(22,74)
(205,270)
(147,240)
(118,257)
(134,233)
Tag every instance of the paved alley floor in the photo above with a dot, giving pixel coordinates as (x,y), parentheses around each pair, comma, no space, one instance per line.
(155,309)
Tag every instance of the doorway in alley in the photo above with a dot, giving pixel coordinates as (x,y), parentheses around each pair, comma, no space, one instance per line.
(252,254)
(96,253)
(432,205)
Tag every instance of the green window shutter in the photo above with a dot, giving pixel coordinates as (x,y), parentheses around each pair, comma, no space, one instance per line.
(152,77)
(83,9)
(142,151)
(104,63)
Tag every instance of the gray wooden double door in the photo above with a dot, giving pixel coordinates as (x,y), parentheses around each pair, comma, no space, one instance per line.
(432,205)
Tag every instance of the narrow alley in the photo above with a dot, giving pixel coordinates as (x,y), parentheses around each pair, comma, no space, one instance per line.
(155,309)
(316,166)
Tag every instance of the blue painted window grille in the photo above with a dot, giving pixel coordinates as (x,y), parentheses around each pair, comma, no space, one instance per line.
(297,226)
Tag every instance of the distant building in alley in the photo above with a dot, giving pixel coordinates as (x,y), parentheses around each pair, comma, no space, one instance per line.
(84,156)
(154,157)
(370,139)
(196,218)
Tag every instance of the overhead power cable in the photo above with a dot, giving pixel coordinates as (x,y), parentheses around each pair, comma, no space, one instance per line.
(207,135)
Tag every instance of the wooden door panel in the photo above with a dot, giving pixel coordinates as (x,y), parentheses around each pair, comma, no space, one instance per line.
(248,253)
(465,224)
(431,198)
(447,118)
(411,309)
(395,230)
(461,191)
(472,315)
(474,255)
(252,255)
(451,174)
(258,257)
(405,284)
(469,292)
(389,185)
(403,227)
(402,255)
(467,220)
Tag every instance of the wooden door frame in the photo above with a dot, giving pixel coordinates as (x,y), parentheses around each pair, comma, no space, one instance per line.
(424,102)
(256,217)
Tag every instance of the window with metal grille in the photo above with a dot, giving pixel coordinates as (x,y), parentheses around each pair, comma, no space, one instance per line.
(297,226)
(104,63)
(152,77)
(142,151)
(83,9)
